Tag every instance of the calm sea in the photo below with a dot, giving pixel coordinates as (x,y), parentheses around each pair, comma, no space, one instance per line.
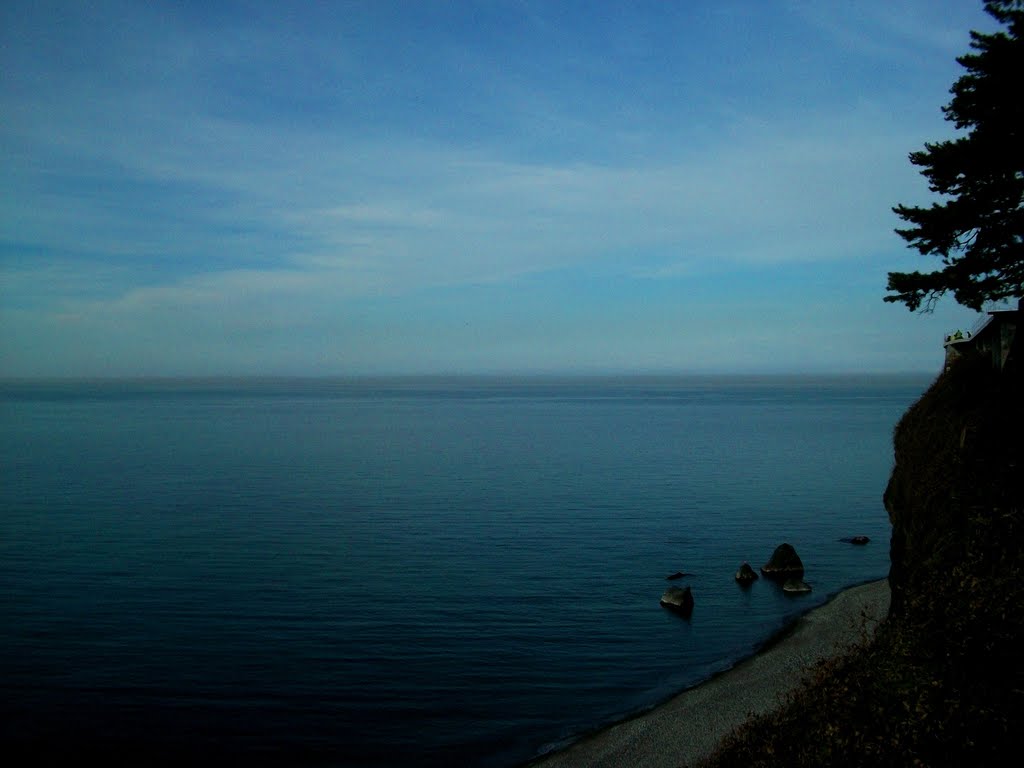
(408,572)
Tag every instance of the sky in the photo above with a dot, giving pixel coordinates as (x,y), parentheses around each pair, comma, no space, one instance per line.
(521,186)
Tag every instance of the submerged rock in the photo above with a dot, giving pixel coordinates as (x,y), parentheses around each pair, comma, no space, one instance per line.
(860,540)
(678,599)
(677,575)
(746,574)
(796,586)
(785,562)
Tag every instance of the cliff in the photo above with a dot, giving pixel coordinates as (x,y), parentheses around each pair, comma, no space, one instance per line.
(955,494)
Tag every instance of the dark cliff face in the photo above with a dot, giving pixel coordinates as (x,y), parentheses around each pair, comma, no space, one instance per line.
(955,494)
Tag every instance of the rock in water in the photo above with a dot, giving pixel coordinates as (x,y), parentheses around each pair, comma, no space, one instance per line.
(785,562)
(678,599)
(796,586)
(746,574)
(856,540)
(676,575)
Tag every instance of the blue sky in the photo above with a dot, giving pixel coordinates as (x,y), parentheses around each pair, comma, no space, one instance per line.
(410,187)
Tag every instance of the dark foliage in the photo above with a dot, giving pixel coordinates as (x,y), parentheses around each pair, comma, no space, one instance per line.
(978,229)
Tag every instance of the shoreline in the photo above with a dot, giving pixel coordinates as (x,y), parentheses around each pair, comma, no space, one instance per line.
(687,728)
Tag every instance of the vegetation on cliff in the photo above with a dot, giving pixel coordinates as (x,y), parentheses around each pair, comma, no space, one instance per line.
(977,230)
(942,684)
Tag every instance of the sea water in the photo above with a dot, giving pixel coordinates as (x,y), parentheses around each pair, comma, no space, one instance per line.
(413,572)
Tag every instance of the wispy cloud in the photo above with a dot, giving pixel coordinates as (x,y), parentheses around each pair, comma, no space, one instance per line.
(896,32)
(441,201)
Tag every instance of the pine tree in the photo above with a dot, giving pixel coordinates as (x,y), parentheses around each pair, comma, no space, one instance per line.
(978,228)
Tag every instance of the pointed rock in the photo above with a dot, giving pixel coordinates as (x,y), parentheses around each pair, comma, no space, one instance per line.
(746,574)
(785,562)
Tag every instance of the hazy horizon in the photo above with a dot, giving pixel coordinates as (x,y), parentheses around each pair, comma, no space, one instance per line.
(485,378)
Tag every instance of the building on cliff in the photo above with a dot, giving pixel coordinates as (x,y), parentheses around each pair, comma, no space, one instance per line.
(995,338)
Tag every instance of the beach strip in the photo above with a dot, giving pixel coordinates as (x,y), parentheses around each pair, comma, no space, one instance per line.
(687,728)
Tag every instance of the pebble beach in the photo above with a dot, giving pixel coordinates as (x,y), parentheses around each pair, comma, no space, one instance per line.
(686,729)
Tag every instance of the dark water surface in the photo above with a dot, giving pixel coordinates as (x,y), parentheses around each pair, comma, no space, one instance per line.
(408,572)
